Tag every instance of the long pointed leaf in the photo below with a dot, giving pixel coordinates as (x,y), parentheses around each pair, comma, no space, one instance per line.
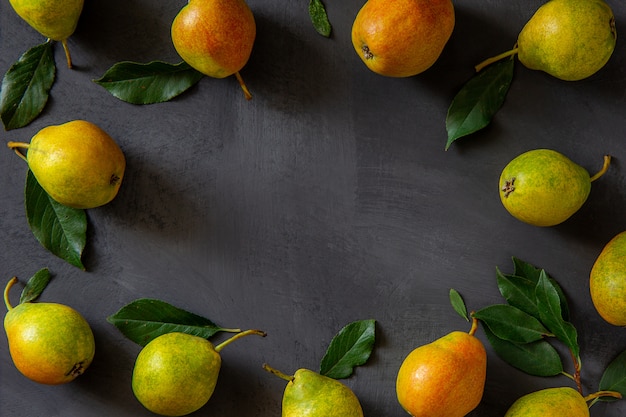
(351,347)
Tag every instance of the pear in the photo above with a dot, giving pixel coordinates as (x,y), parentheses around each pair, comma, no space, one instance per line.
(54,19)
(555,402)
(445,378)
(77,163)
(607,281)
(568,39)
(176,373)
(215,37)
(309,394)
(543,187)
(49,343)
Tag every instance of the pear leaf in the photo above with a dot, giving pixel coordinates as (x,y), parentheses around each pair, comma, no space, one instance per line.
(35,286)
(60,229)
(512,324)
(518,292)
(319,17)
(538,358)
(458,304)
(351,347)
(614,377)
(145,319)
(26,86)
(479,100)
(549,306)
(154,82)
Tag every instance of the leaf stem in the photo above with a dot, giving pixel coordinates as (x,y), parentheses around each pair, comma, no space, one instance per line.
(68,57)
(605,167)
(16,145)
(576,378)
(496,58)
(6,293)
(238,336)
(246,92)
(278,373)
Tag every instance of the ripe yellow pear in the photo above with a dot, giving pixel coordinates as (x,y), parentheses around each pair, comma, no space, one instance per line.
(309,394)
(215,37)
(54,19)
(404,38)
(445,378)
(176,373)
(607,281)
(77,163)
(543,187)
(49,343)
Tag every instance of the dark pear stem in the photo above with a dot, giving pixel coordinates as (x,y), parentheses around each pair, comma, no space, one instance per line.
(278,373)
(6,293)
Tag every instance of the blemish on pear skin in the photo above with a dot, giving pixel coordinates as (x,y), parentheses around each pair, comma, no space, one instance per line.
(508,187)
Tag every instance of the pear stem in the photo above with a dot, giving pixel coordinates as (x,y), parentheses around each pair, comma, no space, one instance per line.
(495,58)
(278,373)
(246,92)
(68,57)
(238,336)
(599,394)
(474,326)
(6,293)
(605,167)
(16,147)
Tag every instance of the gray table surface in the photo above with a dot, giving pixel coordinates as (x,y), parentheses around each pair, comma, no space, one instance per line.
(327,198)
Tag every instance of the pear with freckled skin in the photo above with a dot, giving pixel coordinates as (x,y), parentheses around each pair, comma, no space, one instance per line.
(555,402)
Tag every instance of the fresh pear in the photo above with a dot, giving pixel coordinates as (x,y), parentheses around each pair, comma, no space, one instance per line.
(543,187)
(54,19)
(77,163)
(555,402)
(175,373)
(309,394)
(568,39)
(445,378)
(215,37)
(607,281)
(49,343)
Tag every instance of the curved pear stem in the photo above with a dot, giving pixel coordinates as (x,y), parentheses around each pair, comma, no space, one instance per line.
(246,92)
(605,167)
(496,58)
(16,147)
(68,57)
(278,373)
(238,336)
(596,395)
(474,326)
(6,293)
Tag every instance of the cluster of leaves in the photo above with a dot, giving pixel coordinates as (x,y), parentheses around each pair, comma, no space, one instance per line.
(523,331)
(144,319)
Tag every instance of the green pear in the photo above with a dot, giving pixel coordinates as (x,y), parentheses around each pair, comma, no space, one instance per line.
(568,39)
(176,373)
(54,19)
(607,281)
(555,402)
(309,394)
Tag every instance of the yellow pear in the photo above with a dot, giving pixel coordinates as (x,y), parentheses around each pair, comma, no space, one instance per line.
(607,281)
(445,378)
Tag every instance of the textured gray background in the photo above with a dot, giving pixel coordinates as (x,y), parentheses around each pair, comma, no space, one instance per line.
(325,199)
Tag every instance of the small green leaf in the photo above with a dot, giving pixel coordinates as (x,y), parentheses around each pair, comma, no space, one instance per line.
(538,358)
(35,286)
(351,347)
(478,100)
(518,292)
(145,319)
(26,86)
(549,305)
(319,17)
(150,83)
(458,304)
(60,229)
(512,324)
(614,377)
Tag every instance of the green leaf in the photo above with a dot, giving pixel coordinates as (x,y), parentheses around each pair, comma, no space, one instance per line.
(614,377)
(150,83)
(479,100)
(60,229)
(26,86)
(510,323)
(319,17)
(518,292)
(538,358)
(548,303)
(351,347)
(145,319)
(458,304)
(35,286)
